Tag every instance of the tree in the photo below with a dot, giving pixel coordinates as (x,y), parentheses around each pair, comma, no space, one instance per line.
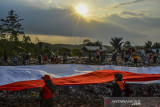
(116,43)
(86,41)
(127,44)
(138,47)
(2,36)
(148,45)
(3,40)
(98,43)
(37,40)
(156,45)
(40,44)
(61,51)
(12,26)
(76,52)
(26,39)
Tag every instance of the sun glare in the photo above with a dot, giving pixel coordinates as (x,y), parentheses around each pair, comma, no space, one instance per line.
(81,9)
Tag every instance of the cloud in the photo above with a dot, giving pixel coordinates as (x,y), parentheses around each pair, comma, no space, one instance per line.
(140,25)
(66,23)
(129,11)
(134,13)
(136,23)
(41,4)
(62,22)
(127,3)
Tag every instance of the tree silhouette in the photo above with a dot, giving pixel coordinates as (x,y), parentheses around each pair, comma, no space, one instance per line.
(148,45)
(12,26)
(98,43)
(116,43)
(127,44)
(26,39)
(2,36)
(156,45)
(88,42)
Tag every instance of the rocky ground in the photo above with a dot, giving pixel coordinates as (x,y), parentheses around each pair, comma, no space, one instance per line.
(74,96)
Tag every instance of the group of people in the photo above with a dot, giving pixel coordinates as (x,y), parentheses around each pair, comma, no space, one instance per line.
(53,58)
(47,91)
(24,59)
(97,56)
(125,57)
(131,55)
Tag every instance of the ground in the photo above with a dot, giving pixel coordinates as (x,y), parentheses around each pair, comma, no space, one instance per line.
(74,96)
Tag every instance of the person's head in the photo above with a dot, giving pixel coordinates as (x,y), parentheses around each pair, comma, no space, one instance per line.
(46,77)
(118,77)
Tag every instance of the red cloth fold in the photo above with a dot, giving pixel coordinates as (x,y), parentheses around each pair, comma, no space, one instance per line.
(95,77)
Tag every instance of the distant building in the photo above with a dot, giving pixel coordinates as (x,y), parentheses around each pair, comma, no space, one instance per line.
(93,50)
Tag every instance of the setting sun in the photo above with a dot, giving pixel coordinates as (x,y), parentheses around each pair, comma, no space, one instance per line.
(81,9)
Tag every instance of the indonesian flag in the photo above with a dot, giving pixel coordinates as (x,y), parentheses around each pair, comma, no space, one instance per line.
(25,77)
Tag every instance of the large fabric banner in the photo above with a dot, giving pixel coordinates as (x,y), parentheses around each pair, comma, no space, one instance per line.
(25,77)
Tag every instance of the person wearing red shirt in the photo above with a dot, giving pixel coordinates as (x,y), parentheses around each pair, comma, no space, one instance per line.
(45,58)
(150,56)
(46,92)
(133,50)
(149,59)
(56,60)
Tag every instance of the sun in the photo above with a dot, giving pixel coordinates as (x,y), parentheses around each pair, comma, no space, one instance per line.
(81,9)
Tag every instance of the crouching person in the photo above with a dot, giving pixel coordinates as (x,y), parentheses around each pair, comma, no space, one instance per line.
(46,92)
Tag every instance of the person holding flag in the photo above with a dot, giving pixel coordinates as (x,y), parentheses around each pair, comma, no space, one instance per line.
(46,93)
(117,86)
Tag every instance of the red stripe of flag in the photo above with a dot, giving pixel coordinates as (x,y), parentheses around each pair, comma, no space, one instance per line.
(95,77)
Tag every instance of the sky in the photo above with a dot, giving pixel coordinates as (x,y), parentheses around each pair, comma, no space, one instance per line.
(60,22)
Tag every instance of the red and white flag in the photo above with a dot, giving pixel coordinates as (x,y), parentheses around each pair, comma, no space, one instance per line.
(25,77)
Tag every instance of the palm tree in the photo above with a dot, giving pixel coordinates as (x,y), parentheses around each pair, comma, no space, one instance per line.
(116,43)
(127,45)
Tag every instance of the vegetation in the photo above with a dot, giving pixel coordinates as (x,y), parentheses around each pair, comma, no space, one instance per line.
(116,43)
(127,45)
(148,45)
(11,28)
(76,52)
(88,42)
